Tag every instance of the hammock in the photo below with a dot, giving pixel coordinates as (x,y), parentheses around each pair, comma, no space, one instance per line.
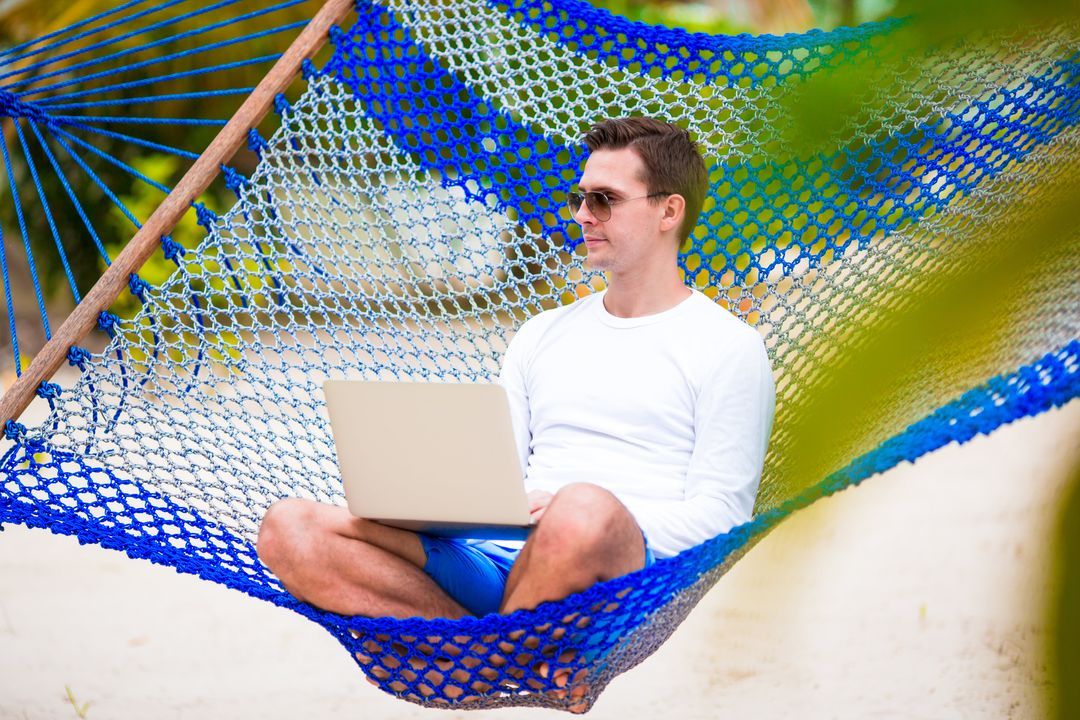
(406,216)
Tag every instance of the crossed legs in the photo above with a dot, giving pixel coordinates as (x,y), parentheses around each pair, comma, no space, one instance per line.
(325,556)
(328,558)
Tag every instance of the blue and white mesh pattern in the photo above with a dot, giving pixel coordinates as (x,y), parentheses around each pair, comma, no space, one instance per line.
(406,218)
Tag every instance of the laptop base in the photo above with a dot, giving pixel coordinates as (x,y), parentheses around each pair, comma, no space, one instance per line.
(472,531)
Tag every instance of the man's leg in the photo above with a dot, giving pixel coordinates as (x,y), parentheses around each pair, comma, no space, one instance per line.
(584,536)
(325,556)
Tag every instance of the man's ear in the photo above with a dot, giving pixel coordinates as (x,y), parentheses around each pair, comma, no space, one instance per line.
(674,210)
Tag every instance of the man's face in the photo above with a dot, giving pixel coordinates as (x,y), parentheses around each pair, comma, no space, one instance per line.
(631,236)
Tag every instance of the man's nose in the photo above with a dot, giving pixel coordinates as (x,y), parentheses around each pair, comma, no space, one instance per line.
(583,216)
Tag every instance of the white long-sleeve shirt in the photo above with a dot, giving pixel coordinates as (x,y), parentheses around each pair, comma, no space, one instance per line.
(670,412)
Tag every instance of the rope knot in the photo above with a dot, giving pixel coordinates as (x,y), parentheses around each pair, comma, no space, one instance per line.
(256,143)
(307,70)
(48,390)
(14,431)
(281,104)
(138,287)
(234,180)
(11,106)
(335,34)
(77,356)
(171,248)
(107,321)
(204,216)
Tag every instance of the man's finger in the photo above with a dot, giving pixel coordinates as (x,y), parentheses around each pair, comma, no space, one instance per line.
(538,500)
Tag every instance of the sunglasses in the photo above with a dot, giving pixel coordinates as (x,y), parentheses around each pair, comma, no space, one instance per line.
(600,204)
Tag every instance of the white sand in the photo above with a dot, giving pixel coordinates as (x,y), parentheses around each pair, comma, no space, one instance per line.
(920,594)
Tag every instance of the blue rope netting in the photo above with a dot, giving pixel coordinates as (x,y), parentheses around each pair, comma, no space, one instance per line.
(406,217)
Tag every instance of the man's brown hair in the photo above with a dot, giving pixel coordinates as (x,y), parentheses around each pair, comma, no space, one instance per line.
(671,158)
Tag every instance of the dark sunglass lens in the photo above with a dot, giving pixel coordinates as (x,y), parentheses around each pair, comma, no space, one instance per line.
(574,200)
(599,205)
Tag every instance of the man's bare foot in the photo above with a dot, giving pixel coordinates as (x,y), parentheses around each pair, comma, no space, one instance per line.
(565,676)
(542,642)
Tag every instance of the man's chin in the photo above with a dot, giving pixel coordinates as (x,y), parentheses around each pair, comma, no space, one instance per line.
(594,262)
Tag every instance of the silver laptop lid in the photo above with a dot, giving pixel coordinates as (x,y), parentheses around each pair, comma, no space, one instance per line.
(424,454)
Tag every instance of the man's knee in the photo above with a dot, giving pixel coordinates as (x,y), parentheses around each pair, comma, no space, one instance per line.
(281,530)
(582,517)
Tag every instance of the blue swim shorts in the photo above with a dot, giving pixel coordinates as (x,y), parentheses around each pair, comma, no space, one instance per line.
(474,572)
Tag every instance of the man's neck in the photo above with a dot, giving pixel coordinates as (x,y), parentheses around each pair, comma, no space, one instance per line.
(637,295)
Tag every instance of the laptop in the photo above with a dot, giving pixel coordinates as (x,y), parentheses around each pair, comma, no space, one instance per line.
(438,458)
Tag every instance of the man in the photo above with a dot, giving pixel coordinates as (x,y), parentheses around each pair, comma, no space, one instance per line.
(642,415)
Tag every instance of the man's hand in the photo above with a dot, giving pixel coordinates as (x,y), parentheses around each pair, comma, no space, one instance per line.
(538,502)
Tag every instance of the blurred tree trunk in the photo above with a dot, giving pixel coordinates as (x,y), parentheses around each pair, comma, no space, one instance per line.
(847,12)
